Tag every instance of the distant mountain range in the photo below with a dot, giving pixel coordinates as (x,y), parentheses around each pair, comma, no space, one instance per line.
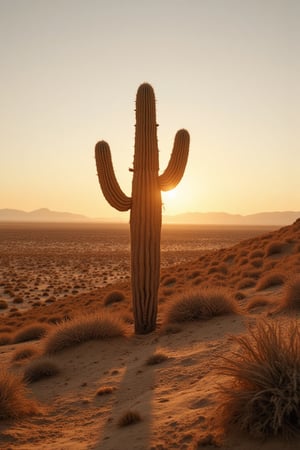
(210,218)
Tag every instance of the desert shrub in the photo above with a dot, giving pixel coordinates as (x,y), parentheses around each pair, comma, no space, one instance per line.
(14,402)
(5,338)
(114,297)
(24,353)
(82,329)
(156,358)
(104,390)
(200,304)
(129,418)
(3,304)
(263,396)
(169,281)
(271,279)
(40,368)
(257,262)
(274,248)
(246,283)
(31,332)
(291,298)
(256,254)
(258,302)
(18,300)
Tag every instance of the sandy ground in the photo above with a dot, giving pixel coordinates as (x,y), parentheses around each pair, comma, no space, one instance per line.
(177,399)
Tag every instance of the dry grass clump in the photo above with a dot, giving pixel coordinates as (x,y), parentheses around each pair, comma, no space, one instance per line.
(13,397)
(246,283)
(274,247)
(114,297)
(3,304)
(156,358)
(270,279)
(104,390)
(81,329)
(5,338)
(201,304)
(291,299)
(40,368)
(31,332)
(129,418)
(256,254)
(263,397)
(258,302)
(24,353)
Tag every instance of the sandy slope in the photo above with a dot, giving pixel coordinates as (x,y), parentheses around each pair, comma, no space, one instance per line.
(177,399)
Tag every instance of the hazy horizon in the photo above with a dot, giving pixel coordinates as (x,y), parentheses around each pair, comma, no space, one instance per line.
(226,71)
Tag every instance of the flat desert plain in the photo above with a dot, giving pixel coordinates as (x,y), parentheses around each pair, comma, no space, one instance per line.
(222,370)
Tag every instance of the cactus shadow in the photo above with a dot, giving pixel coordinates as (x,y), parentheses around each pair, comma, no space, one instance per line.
(134,393)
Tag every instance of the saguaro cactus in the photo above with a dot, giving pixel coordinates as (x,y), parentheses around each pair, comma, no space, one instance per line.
(144,203)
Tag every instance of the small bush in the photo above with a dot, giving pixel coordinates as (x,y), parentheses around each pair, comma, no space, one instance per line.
(246,283)
(129,418)
(40,368)
(31,332)
(256,254)
(114,297)
(271,279)
(82,329)
(5,338)
(274,248)
(258,302)
(291,298)
(263,397)
(156,358)
(24,353)
(201,304)
(3,304)
(104,390)
(13,397)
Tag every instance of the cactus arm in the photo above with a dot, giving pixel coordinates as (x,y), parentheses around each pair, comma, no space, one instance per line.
(107,179)
(175,169)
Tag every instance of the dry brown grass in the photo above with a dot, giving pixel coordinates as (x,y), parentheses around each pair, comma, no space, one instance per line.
(157,358)
(31,332)
(274,248)
(3,304)
(201,304)
(105,390)
(291,298)
(40,368)
(270,279)
(263,396)
(24,353)
(97,326)
(14,402)
(5,338)
(258,302)
(114,297)
(129,418)
(246,283)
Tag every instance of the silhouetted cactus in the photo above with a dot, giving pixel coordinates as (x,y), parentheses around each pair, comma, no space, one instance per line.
(144,203)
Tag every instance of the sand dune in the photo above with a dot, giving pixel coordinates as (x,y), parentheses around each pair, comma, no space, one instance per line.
(177,399)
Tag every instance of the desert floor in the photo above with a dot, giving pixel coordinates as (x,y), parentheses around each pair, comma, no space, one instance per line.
(177,399)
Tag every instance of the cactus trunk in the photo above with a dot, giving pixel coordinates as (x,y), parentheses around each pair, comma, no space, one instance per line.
(144,204)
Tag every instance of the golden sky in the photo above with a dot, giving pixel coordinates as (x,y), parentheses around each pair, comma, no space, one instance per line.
(226,70)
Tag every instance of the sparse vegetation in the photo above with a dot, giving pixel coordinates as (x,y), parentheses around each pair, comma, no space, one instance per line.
(274,247)
(104,390)
(24,353)
(114,297)
(291,299)
(31,332)
(201,304)
(84,328)
(14,402)
(263,397)
(270,279)
(5,338)
(40,368)
(157,358)
(3,304)
(129,418)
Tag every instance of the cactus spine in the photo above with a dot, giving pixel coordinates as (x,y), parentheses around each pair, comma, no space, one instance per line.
(144,203)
